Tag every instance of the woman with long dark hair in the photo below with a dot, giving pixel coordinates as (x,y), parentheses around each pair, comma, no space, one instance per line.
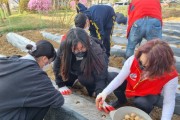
(81,57)
(143,78)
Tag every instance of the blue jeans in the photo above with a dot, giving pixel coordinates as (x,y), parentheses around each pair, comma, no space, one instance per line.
(148,28)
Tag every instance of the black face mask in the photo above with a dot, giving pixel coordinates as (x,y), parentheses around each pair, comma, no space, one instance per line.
(80,55)
(142,67)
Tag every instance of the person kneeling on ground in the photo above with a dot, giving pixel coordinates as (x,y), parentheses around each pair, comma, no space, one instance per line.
(84,58)
(26,91)
(143,77)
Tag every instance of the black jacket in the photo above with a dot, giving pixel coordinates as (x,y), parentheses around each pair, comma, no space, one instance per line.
(96,80)
(24,85)
(80,8)
(101,18)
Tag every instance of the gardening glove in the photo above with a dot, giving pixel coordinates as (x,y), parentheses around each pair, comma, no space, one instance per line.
(107,108)
(65,90)
(100,100)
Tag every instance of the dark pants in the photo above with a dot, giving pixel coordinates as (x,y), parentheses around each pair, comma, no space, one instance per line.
(108,30)
(36,113)
(120,93)
(145,103)
(111,76)
(90,87)
(71,80)
(106,40)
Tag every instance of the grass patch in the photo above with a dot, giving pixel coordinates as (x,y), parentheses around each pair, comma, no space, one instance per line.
(31,21)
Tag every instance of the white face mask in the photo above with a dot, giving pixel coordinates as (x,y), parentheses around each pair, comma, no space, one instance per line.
(46,67)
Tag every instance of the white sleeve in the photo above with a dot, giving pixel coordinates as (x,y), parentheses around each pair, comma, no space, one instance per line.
(120,78)
(169,92)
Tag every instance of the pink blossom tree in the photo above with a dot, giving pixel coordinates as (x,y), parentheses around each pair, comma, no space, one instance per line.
(40,5)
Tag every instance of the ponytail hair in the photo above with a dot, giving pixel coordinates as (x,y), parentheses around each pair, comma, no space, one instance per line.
(42,48)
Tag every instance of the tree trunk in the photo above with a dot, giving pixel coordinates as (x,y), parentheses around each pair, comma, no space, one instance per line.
(98,2)
(8,8)
(2,20)
(59,5)
(1,17)
(90,2)
(3,11)
(19,8)
(54,4)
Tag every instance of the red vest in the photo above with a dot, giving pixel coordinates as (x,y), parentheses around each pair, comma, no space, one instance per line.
(137,87)
(63,38)
(141,8)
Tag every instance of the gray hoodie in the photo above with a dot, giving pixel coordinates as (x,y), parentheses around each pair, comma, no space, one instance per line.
(23,84)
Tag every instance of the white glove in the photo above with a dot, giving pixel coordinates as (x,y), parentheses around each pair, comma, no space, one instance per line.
(107,108)
(65,90)
(101,97)
(100,100)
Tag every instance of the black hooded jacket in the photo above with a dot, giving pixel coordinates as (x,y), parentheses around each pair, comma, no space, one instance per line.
(23,84)
(99,81)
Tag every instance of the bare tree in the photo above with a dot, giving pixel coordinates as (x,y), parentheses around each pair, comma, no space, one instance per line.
(2,13)
(90,2)
(55,4)
(6,2)
(8,8)
(98,1)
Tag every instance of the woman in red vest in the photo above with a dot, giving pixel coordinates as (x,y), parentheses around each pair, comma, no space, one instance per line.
(143,77)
